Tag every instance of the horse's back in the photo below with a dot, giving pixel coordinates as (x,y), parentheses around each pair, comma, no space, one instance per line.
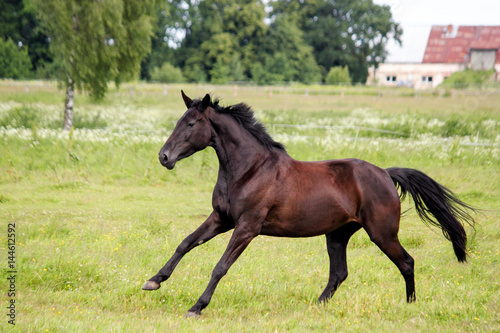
(373,184)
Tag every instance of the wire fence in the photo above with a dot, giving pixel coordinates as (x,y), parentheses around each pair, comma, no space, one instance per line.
(461,141)
(334,127)
(441,141)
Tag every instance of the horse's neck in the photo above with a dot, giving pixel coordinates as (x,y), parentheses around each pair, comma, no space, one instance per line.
(237,150)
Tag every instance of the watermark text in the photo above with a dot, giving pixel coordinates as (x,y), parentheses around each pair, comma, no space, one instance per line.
(11,273)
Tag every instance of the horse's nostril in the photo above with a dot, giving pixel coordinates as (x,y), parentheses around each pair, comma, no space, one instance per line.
(163,157)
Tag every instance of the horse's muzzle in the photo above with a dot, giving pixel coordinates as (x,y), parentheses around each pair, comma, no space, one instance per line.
(165,161)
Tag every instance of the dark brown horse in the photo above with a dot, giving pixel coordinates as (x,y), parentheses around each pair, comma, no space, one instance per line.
(261,190)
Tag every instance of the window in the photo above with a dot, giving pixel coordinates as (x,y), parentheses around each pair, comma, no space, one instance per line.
(390,78)
(427,79)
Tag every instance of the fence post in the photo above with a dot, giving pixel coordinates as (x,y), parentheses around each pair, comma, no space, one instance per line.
(477,141)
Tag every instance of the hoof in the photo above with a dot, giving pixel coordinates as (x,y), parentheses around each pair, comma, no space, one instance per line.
(151,285)
(192,315)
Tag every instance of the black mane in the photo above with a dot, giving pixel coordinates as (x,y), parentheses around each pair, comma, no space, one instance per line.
(244,115)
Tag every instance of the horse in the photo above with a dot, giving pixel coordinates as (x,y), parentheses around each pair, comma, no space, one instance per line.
(261,190)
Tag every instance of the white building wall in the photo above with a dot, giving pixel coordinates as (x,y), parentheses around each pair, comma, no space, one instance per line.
(418,76)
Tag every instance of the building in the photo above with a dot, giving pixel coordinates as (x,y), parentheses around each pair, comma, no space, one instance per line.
(447,49)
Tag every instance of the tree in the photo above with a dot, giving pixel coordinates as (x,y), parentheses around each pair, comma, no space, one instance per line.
(9,19)
(236,69)
(276,69)
(220,72)
(165,40)
(14,61)
(218,50)
(285,40)
(18,22)
(343,32)
(95,42)
(223,30)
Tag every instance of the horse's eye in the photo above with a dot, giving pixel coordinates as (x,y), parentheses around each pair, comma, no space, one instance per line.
(191,124)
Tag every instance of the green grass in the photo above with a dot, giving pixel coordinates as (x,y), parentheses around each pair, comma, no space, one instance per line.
(96,215)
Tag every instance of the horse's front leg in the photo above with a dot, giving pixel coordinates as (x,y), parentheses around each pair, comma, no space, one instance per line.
(209,229)
(242,236)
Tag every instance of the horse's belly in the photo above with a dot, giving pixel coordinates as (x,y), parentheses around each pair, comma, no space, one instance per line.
(313,217)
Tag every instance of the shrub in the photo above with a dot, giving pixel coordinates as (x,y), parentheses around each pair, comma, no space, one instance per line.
(89,121)
(236,69)
(195,73)
(276,69)
(467,78)
(27,116)
(167,73)
(14,61)
(22,116)
(310,72)
(48,70)
(258,74)
(338,76)
(219,74)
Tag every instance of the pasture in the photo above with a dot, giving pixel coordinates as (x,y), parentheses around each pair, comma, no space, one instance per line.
(96,214)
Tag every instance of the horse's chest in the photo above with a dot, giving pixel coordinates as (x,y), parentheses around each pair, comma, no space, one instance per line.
(221,202)
(232,204)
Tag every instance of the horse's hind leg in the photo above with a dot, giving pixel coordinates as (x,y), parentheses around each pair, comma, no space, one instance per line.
(336,244)
(384,233)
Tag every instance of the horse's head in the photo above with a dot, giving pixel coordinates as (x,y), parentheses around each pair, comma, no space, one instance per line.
(191,134)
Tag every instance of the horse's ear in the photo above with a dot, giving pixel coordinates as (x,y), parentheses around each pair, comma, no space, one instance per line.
(188,101)
(205,103)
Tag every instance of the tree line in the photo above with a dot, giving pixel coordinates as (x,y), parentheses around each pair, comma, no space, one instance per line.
(87,43)
(214,41)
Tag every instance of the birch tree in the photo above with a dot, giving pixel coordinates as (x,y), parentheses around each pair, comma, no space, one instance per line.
(96,42)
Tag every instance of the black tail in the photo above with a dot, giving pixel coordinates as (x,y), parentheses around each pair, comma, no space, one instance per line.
(433,199)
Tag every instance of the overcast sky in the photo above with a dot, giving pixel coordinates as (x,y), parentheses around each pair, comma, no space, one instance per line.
(443,12)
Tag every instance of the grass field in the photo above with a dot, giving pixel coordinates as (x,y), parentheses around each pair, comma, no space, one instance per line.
(96,215)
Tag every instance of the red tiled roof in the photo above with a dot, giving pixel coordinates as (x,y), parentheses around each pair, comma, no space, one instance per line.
(448,45)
